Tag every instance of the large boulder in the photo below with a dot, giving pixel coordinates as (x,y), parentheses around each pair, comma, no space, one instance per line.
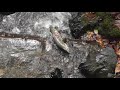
(99,64)
(29,58)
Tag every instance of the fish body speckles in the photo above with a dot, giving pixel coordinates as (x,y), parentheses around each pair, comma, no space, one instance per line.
(58,39)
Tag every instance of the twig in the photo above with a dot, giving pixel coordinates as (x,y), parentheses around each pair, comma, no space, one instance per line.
(22,36)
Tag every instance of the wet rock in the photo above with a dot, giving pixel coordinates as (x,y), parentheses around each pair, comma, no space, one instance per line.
(2,14)
(24,58)
(99,64)
(74,14)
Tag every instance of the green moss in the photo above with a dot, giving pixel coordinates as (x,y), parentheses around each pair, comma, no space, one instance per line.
(106,27)
(115,33)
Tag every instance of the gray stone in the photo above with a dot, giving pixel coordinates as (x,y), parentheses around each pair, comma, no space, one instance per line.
(99,64)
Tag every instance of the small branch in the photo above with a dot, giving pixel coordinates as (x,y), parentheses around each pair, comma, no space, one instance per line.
(9,35)
(22,36)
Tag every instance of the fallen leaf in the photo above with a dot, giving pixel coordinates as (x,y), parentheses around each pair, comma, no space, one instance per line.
(90,35)
(90,16)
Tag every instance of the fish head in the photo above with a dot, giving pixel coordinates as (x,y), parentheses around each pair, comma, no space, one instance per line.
(53,29)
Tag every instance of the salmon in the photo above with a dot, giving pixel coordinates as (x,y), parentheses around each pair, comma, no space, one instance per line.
(58,39)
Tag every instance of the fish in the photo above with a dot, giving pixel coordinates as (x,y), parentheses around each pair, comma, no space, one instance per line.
(58,39)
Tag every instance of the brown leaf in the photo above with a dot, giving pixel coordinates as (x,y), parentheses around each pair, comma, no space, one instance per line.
(90,35)
(90,15)
(117,17)
(114,14)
